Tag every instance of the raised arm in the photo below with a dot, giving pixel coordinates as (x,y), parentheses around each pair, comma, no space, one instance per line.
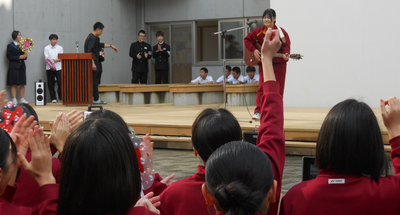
(270,137)
(391,120)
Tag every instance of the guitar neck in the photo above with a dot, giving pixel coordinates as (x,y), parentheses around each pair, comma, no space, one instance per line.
(278,55)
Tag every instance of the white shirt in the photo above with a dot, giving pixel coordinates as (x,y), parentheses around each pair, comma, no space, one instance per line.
(202,81)
(221,79)
(51,53)
(248,80)
(234,81)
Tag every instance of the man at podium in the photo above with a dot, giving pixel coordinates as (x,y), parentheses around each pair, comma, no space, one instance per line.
(93,45)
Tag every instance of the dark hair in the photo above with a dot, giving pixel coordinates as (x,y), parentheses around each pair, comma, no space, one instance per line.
(270,13)
(5,142)
(204,69)
(239,176)
(28,110)
(213,128)
(350,141)
(250,69)
(159,33)
(53,36)
(108,114)
(99,172)
(229,68)
(14,34)
(98,25)
(236,69)
(141,31)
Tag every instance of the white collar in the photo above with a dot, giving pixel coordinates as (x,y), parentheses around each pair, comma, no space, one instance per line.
(15,43)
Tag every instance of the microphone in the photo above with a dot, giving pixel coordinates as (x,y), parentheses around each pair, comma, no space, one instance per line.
(77,45)
(251,22)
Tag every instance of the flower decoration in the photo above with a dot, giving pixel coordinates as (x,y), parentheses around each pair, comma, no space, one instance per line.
(26,44)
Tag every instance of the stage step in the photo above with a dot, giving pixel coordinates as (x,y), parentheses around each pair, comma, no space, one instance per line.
(292,147)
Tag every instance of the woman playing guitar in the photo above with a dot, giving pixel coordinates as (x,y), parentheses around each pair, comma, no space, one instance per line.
(279,64)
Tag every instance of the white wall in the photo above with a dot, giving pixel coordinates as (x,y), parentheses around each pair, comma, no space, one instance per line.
(350,48)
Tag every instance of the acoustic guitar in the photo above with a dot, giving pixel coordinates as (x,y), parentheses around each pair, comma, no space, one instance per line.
(251,60)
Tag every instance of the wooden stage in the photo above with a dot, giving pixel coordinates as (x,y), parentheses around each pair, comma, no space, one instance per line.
(170,126)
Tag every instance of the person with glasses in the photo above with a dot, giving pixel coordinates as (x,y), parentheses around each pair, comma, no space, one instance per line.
(140,52)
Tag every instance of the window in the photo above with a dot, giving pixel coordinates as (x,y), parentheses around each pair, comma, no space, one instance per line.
(234,45)
(206,43)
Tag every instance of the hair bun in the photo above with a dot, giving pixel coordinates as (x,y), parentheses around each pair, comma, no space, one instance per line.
(237,198)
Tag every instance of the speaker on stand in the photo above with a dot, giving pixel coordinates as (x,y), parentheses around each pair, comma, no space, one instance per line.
(40,94)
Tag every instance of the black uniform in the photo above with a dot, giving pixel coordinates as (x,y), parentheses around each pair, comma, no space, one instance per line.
(16,68)
(161,62)
(93,45)
(139,66)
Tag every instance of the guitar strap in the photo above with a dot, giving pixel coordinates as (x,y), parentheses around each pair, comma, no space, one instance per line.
(281,35)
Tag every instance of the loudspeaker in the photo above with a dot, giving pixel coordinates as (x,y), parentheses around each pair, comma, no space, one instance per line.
(40,93)
(250,136)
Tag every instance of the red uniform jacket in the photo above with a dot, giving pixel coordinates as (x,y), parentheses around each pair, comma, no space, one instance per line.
(279,64)
(27,193)
(271,138)
(140,210)
(358,194)
(47,194)
(184,197)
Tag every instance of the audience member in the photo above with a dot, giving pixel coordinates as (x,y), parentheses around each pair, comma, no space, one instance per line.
(353,177)
(53,67)
(39,169)
(159,184)
(237,78)
(228,76)
(204,78)
(251,77)
(16,75)
(99,172)
(208,134)
(239,180)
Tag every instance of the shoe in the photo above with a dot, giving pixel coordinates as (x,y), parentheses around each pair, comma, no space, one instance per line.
(23,100)
(256,116)
(14,100)
(53,101)
(100,102)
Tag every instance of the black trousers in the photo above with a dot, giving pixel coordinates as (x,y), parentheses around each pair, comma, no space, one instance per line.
(161,75)
(139,76)
(51,80)
(96,80)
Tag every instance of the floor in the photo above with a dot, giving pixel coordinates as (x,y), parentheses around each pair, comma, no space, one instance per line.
(183,163)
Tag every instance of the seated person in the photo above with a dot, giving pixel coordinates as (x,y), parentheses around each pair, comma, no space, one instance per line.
(350,154)
(239,180)
(237,78)
(251,77)
(204,78)
(228,76)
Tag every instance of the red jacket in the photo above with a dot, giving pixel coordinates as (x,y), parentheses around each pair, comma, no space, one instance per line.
(358,194)
(185,197)
(257,34)
(27,193)
(271,138)
(47,194)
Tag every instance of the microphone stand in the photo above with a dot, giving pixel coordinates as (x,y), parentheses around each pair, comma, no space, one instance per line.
(223,36)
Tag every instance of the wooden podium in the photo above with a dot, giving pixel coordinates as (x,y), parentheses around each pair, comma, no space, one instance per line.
(76,78)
